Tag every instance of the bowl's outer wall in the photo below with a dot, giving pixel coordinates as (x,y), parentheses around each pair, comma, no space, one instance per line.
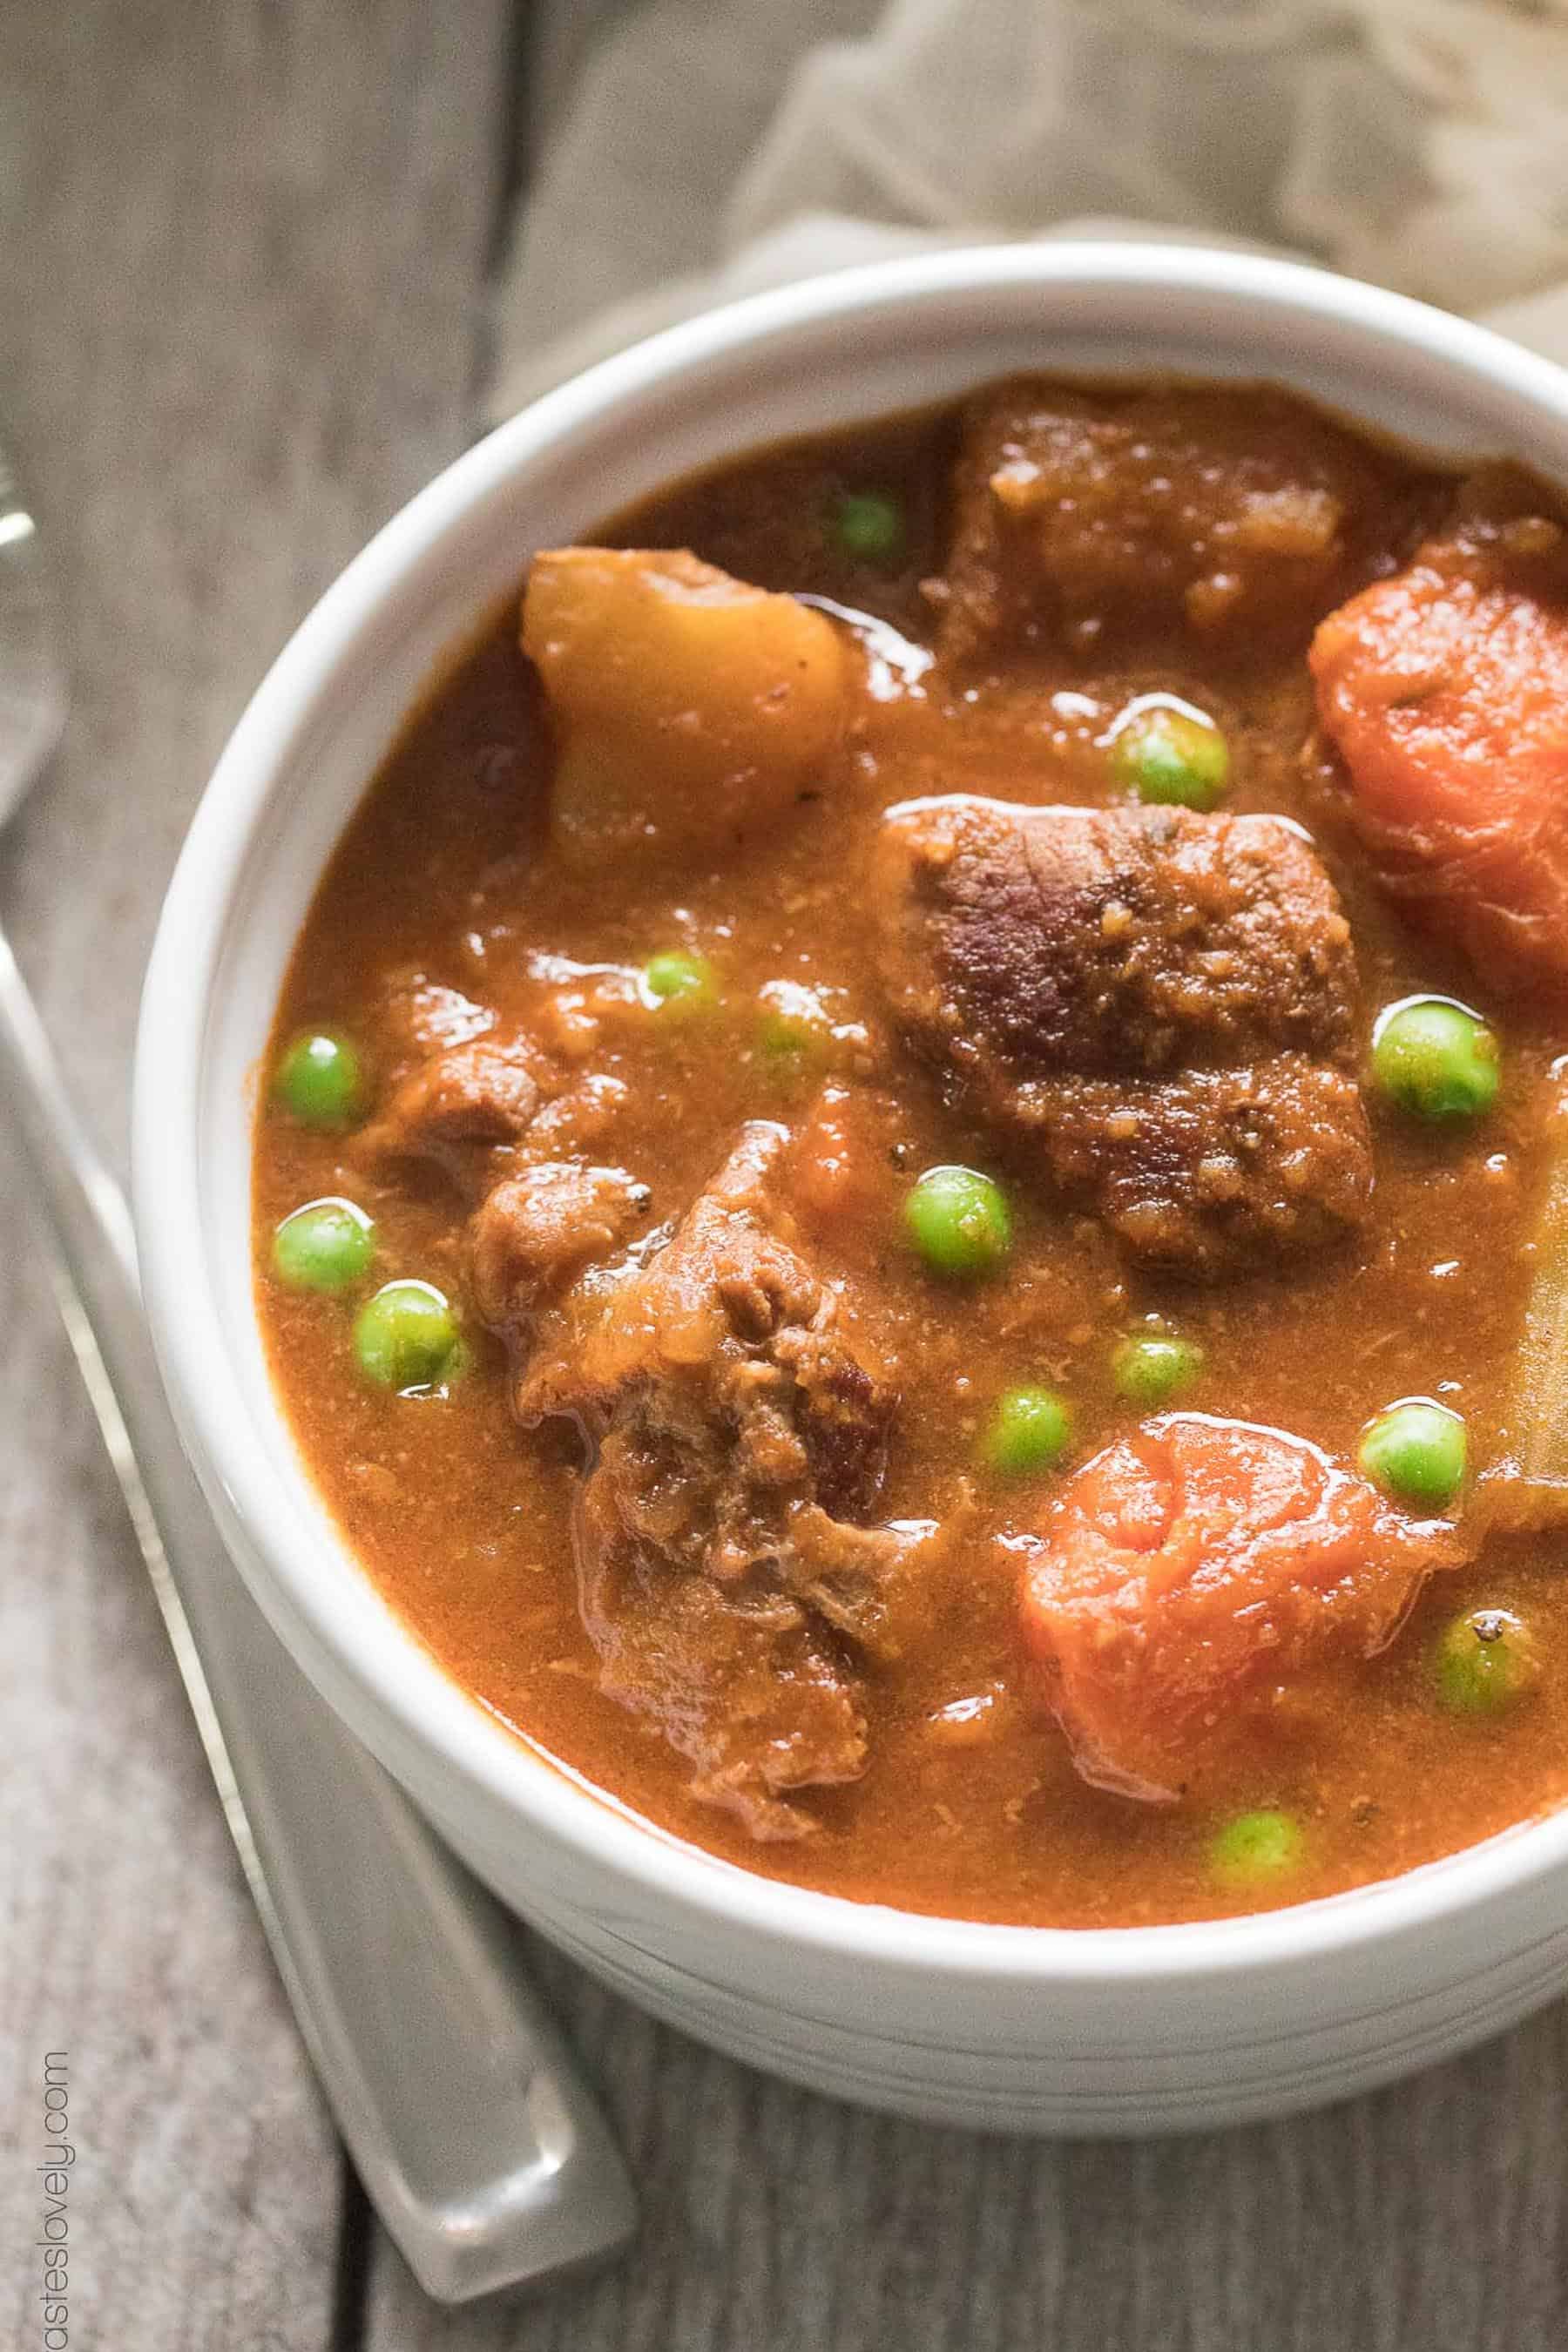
(1144,2030)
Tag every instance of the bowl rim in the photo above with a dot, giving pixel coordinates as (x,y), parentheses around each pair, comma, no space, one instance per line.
(393,1678)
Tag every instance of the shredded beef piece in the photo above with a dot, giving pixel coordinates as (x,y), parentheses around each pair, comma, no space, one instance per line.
(1160,1004)
(738,1432)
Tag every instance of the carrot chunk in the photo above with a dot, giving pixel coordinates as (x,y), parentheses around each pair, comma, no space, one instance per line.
(839,1170)
(1446,691)
(1188,1570)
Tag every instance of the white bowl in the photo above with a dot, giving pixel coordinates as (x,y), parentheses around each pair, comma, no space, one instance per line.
(1107,2030)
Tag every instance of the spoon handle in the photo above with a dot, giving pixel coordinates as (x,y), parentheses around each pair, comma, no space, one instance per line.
(478,2143)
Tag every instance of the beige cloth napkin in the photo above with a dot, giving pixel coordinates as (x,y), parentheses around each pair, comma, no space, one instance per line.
(714,147)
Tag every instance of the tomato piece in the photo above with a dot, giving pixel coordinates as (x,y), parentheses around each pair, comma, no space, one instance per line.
(1189,1570)
(1446,691)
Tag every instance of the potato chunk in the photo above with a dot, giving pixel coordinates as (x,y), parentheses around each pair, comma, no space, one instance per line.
(690,709)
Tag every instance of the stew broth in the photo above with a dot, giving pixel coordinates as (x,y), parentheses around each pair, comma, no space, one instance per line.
(453,906)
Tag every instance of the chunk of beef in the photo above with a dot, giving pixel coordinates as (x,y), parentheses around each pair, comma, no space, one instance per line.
(583,1115)
(1079,517)
(454,1104)
(1112,940)
(533,1235)
(1161,1003)
(1205,1173)
(740,1434)
(423,1015)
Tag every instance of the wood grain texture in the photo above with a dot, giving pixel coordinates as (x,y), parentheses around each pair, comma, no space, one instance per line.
(1426,2218)
(240,262)
(562,34)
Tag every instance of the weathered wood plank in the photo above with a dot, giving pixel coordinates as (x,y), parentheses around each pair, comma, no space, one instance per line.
(240,265)
(1433,2215)
(563,32)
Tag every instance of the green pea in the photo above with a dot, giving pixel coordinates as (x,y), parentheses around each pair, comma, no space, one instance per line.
(1030,1429)
(679,978)
(1152,1366)
(1484,1661)
(788,1048)
(1415,1451)
(406,1337)
(320,1081)
(1172,757)
(1435,1058)
(1256,1847)
(869,526)
(794,1031)
(959,1222)
(325,1246)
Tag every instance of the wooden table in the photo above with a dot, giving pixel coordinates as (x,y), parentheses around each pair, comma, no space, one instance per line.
(243,258)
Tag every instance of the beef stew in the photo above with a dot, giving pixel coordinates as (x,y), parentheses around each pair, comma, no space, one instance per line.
(910,1199)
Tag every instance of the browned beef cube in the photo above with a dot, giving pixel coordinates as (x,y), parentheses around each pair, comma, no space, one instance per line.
(1162,1005)
(534,1234)
(1078,518)
(453,1107)
(739,1437)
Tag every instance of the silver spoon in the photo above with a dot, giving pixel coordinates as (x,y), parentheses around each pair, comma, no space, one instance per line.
(478,2141)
